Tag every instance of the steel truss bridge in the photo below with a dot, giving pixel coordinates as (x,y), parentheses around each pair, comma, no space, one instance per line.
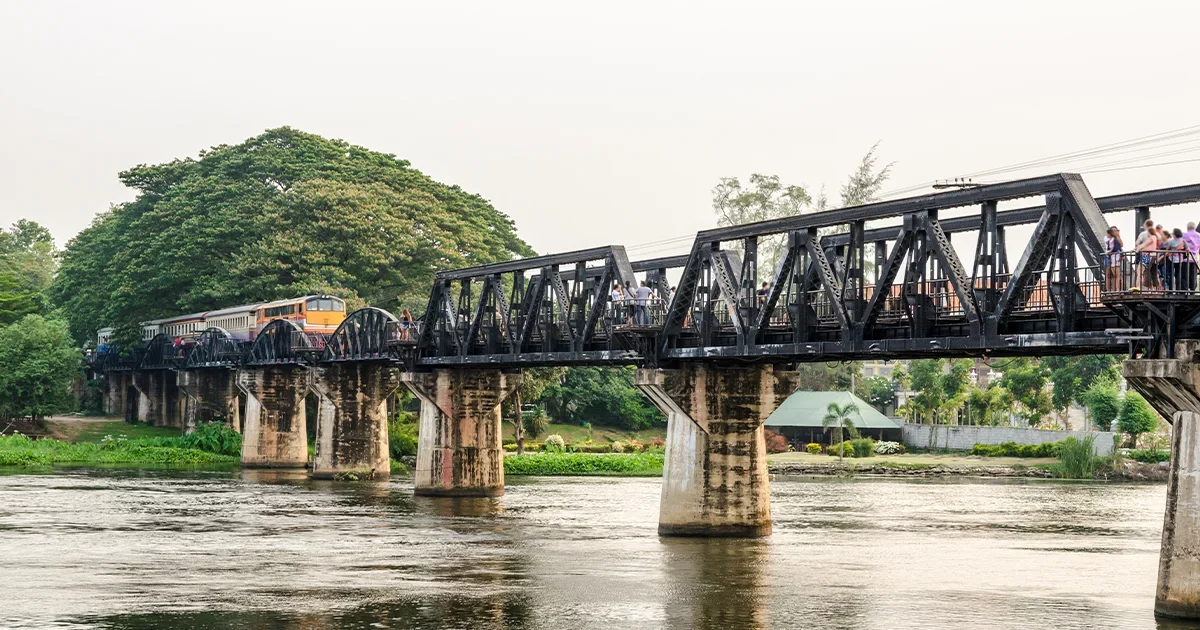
(842,287)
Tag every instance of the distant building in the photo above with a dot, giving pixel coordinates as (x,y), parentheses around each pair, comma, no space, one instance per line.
(799,418)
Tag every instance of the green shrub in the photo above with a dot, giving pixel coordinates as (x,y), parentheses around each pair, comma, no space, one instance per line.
(211,437)
(1149,455)
(863,447)
(1012,449)
(590,448)
(813,448)
(402,439)
(555,443)
(626,464)
(1077,459)
(846,448)
(617,447)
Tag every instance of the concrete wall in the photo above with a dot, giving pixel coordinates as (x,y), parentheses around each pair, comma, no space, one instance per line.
(962,438)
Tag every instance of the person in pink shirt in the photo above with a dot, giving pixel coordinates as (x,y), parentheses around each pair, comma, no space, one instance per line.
(1192,238)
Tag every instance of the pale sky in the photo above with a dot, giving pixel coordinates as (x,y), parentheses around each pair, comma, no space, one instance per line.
(593,123)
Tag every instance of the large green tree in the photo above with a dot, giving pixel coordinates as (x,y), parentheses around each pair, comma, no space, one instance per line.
(37,362)
(1026,378)
(1136,417)
(281,214)
(27,265)
(600,396)
(1073,376)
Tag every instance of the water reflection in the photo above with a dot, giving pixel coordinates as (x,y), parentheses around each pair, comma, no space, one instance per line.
(715,583)
(272,549)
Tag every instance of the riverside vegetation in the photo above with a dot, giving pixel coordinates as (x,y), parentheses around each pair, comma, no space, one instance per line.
(210,444)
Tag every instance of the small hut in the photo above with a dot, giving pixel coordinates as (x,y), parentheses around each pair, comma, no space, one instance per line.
(799,418)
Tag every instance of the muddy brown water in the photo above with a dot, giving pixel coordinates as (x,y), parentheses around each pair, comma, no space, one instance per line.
(133,549)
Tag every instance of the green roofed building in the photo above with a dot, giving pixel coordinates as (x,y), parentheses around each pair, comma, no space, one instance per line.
(799,418)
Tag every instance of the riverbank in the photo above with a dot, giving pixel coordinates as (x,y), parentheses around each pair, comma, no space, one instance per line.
(935,465)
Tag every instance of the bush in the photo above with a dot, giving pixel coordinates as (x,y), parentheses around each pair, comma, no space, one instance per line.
(213,437)
(633,446)
(590,448)
(617,447)
(639,464)
(846,449)
(813,448)
(863,447)
(555,443)
(889,448)
(655,443)
(1077,459)
(775,443)
(1012,449)
(1149,455)
(402,439)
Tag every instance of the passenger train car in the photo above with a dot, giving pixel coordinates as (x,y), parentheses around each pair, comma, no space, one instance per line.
(315,314)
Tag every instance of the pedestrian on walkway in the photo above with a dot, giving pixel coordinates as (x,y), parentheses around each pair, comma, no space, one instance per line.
(1192,238)
(643,304)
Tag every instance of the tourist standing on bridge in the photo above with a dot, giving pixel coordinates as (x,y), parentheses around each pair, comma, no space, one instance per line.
(614,301)
(643,304)
(1172,264)
(1192,238)
(1112,262)
(1145,246)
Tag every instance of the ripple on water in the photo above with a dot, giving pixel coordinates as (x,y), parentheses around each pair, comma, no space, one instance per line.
(184,549)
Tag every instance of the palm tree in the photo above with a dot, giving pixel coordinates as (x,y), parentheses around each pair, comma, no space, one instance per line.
(840,416)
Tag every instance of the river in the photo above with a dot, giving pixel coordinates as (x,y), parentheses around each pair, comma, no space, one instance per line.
(134,549)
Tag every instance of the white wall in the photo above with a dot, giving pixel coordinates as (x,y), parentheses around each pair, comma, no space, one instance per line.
(962,438)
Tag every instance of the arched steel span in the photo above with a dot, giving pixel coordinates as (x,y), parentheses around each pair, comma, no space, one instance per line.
(162,354)
(366,334)
(282,342)
(215,347)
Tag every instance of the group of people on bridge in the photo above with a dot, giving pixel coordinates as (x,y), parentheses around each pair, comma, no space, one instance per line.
(632,306)
(1161,260)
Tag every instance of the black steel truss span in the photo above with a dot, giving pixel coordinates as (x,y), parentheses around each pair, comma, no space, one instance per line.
(838,289)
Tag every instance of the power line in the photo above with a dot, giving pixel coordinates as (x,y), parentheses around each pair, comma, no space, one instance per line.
(1126,168)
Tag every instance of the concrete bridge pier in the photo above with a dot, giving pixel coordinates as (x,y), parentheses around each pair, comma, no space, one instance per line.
(212,394)
(1172,387)
(117,385)
(352,427)
(160,401)
(274,435)
(715,479)
(459,450)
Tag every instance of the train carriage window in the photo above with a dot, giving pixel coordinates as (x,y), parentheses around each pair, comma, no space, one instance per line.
(326,305)
(339,306)
(314,305)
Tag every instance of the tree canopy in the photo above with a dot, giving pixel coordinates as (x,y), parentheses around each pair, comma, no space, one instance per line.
(37,362)
(602,396)
(284,213)
(1136,417)
(27,265)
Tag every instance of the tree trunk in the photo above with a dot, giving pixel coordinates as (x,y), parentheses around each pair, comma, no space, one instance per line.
(519,431)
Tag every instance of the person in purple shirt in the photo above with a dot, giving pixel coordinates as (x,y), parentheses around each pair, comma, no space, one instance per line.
(1192,238)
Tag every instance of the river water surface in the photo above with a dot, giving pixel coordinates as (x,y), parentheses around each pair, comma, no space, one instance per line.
(153,549)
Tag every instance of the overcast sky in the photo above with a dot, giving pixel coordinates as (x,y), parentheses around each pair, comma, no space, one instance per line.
(591,123)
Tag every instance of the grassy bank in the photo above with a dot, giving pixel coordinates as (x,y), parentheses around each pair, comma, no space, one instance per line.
(18,450)
(615,464)
(598,434)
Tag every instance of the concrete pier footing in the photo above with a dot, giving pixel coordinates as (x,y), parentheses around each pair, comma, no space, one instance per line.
(459,450)
(1172,387)
(160,401)
(212,395)
(352,428)
(715,479)
(274,433)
